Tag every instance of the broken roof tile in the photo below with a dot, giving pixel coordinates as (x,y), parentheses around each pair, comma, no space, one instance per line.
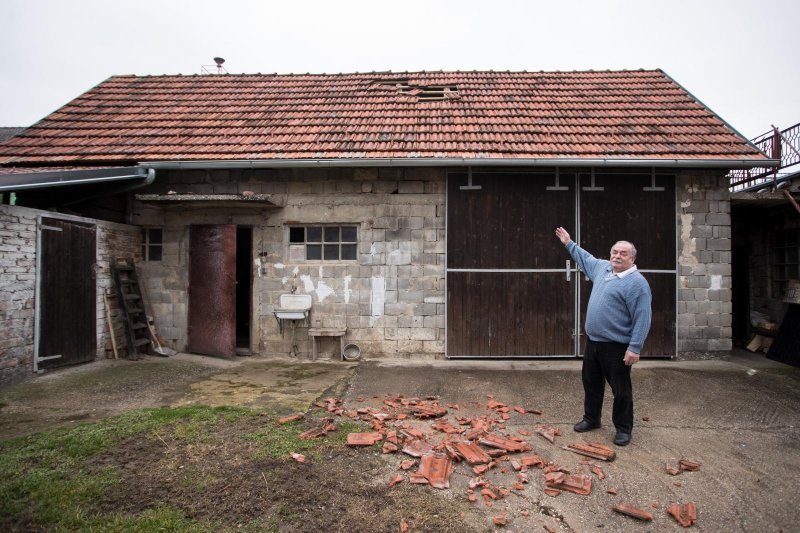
(594,450)
(684,513)
(634,512)
(504,443)
(363,439)
(472,453)
(288,419)
(577,483)
(436,468)
(548,432)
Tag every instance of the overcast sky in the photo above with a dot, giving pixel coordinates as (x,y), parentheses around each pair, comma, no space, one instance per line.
(739,57)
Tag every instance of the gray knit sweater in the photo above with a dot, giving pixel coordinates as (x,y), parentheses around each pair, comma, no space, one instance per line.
(619,308)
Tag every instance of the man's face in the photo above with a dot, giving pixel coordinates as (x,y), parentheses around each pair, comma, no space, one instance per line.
(621,257)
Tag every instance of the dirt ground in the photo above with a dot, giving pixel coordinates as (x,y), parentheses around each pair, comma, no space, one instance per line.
(738,418)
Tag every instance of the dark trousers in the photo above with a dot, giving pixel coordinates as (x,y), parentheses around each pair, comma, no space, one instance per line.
(604,361)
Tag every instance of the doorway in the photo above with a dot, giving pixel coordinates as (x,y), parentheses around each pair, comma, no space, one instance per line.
(220,289)
(244,288)
(67,295)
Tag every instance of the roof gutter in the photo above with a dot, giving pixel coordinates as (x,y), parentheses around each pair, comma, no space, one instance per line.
(725,164)
(40,180)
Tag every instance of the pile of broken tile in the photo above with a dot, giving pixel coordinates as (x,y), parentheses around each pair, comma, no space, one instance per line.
(419,428)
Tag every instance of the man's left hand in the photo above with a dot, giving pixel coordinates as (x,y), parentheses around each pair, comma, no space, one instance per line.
(630,357)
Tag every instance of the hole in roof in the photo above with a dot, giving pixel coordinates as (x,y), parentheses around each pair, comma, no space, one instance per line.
(431,92)
(421,92)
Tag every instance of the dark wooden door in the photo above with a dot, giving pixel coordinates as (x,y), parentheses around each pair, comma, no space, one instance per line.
(509,293)
(634,207)
(67,294)
(212,290)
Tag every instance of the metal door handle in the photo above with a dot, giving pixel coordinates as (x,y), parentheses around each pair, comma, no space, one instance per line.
(569,270)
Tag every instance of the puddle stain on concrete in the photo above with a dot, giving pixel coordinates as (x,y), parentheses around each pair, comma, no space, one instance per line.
(277,386)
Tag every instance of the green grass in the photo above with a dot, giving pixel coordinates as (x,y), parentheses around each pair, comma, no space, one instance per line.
(43,476)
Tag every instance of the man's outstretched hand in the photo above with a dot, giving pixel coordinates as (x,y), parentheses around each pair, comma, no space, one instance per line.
(562,235)
(631,358)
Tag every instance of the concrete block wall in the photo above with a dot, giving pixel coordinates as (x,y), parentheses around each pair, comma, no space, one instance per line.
(113,241)
(17,288)
(704,263)
(18,250)
(391,299)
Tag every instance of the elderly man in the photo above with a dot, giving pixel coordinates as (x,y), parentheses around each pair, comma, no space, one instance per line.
(617,323)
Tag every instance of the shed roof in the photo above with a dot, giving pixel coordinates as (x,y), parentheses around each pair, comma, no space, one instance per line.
(616,115)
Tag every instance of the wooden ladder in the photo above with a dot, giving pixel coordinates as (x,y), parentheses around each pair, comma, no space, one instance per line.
(129,294)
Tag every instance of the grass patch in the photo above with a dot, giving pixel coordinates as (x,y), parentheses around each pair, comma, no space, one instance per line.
(42,476)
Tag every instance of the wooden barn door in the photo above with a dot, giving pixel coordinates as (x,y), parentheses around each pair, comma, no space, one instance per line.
(212,290)
(639,208)
(67,306)
(509,293)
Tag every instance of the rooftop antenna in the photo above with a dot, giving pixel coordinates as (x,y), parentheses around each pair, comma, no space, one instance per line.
(215,69)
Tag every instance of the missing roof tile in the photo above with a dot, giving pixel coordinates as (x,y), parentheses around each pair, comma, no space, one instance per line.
(431,92)
(420,92)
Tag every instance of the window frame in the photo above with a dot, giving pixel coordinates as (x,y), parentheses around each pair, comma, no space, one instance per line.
(322,243)
(785,258)
(148,247)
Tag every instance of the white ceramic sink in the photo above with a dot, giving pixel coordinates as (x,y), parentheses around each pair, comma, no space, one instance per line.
(293,306)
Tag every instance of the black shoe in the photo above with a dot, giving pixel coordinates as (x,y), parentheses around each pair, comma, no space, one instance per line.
(622,439)
(585,425)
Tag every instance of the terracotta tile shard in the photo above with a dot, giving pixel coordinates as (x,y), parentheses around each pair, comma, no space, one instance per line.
(593,450)
(548,432)
(522,477)
(635,512)
(494,404)
(417,447)
(504,443)
(428,411)
(655,505)
(612,490)
(489,493)
(472,498)
(481,469)
(299,457)
(516,465)
(525,512)
(417,479)
(599,473)
(412,433)
(500,520)
(688,465)
(403,526)
(408,464)
(388,447)
(472,453)
(363,439)
(519,486)
(524,433)
(534,411)
(577,483)
(520,410)
(552,492)
(288,419)
(672,466)
(436,468)
(445,427)
(685,513)
(532,460)
(396,479)
(496,453)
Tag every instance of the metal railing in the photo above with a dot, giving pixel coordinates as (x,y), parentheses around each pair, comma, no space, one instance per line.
(777,144)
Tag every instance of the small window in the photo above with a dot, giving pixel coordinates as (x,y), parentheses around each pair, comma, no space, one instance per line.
(323,243)
(785,259)
(152,244)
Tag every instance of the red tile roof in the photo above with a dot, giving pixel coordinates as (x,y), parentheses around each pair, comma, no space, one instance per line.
(640,114)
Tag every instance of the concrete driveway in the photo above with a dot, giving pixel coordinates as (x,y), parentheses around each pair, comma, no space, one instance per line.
(739,418)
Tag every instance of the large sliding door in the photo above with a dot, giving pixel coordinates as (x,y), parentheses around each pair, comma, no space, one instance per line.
(511,291)
(639,208)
